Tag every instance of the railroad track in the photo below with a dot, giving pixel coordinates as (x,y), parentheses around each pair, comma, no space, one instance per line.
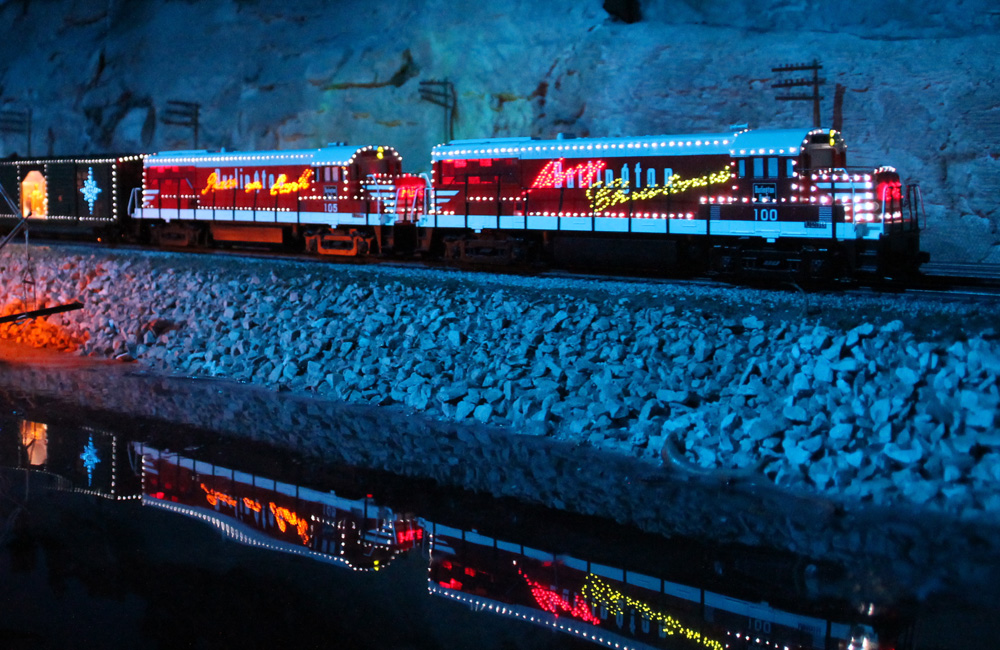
(941,280)
(962,270)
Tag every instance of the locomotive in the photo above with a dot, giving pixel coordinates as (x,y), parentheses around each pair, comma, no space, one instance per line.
(739,203)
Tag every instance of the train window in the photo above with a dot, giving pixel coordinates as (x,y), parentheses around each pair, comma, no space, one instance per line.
(369,166)
(758,168)
(789,168)
(33,193)
(820,157)
(772,167)
(742,168)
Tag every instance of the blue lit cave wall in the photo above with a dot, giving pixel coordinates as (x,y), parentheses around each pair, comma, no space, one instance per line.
(911,83)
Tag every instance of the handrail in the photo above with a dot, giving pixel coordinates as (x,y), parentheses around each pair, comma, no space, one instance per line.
(132,201)
(914,195)
(14,210)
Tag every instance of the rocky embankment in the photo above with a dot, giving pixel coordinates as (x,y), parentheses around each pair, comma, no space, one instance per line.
(881,399)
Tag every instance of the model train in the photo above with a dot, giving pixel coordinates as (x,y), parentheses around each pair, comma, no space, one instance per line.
(738,203)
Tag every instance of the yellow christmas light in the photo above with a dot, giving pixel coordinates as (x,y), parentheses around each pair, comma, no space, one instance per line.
(598,592)
(602,197)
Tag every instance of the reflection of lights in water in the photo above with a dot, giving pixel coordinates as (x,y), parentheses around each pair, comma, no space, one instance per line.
(552,602)
(598,592)
(35,440)
(90,459)
(214,497)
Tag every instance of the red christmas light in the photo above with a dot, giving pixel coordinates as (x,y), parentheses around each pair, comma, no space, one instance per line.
(553,174)
(550,601)
(285,517)
(214,496)
(404,536)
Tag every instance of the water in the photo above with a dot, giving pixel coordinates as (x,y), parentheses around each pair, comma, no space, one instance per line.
(115,539)
(138,531)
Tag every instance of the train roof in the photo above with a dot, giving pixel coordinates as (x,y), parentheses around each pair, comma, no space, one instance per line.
(92,159)
(774,141)
(333,155)
(732,143)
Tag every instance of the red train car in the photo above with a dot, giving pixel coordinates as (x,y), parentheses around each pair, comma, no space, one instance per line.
(275,197)
(739,201)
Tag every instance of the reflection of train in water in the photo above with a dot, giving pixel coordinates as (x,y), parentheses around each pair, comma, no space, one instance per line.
(602,603)
(263,512)
(89,460)
(618,608)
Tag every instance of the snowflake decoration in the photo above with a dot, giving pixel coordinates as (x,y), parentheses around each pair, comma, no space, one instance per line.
(90,459)
(90,189)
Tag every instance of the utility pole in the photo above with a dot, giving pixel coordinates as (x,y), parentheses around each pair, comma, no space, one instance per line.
(180,113)
(16,122)
(442,93)
(815,82)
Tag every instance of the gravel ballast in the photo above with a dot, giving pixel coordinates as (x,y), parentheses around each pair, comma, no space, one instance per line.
(871,398)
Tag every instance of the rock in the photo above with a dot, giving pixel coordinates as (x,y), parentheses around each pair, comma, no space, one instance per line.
(673,396)
(795,413)
(763,427)
(835,350)
(981,418)
(483,412)
(464,409)
(891,327)
(796,454)
(800,384)
(823,371)
(907,375)
(855,458)
(901,455)
(865,330)
(730,422)
(879,411)
(842,431)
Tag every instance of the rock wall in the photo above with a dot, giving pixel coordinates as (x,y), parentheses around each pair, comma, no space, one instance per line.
(914,82)
(878,399)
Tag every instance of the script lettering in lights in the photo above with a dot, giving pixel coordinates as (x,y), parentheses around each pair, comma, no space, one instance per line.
(602,196)
(283,186)
(214,497)
(285,517)
(552,601)
(214,184)
(554,175)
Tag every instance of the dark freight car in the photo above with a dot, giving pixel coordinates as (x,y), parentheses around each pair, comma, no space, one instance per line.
(82,196)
